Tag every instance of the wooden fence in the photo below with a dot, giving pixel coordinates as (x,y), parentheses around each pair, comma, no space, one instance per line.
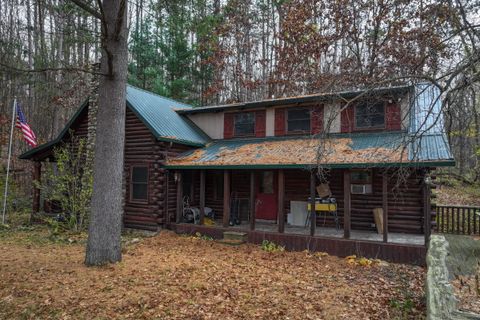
(458,219)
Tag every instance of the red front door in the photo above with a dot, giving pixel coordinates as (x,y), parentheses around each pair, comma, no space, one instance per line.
(266,200)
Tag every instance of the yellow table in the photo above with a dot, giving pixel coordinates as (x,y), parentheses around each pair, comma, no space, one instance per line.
(323,206)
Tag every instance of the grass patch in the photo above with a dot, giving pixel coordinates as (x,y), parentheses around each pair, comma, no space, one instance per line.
(270,246)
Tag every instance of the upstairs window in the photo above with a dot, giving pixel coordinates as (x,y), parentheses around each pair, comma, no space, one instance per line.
(139,184)
(244,124)
(370,116)
(298,120)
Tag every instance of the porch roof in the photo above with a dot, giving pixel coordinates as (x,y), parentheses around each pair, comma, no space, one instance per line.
(381,149)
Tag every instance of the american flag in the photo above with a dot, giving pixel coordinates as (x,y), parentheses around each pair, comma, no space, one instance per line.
(22,124)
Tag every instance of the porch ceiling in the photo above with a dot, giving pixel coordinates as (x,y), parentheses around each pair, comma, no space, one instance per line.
(338,151)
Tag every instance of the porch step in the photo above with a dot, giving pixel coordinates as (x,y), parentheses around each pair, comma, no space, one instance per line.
(233,238)
(234,235)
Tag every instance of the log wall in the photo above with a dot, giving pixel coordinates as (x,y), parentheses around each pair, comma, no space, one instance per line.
(142,148)
(405,204)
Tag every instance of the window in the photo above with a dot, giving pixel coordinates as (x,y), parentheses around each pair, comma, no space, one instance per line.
(266,185)
(244,124)
(139,184)
(369,116)
(361,177)
(361,181)
(298,120)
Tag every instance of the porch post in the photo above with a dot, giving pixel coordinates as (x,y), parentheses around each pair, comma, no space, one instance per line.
(427,211)
(202,196)
(281,200)
(179,196)
(226,197)
(252,200)
(36,176)
(346,204)
(313,213)
(385,205)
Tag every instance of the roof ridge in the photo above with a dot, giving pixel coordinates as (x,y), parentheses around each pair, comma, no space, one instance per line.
(160,96)
(316,95)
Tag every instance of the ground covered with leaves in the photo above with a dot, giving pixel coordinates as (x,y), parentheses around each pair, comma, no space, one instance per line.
(457,194)
(192,277)
(463,262)
(467,291)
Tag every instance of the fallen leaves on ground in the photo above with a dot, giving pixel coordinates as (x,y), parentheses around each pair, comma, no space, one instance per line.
(461,196)
(467,291)
(176,277)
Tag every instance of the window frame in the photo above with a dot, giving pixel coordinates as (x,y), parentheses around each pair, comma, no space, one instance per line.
(287,131)
(356,128)
(369,178)
(131,184)
(235,134)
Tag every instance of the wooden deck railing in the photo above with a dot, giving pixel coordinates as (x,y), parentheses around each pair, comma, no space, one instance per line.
(458,219)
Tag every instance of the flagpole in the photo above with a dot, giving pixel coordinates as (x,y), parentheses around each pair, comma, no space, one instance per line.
(8,161)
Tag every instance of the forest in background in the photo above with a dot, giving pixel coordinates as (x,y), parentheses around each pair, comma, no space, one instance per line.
(206,52)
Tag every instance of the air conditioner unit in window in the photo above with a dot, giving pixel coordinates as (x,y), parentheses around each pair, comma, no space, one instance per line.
(361,188)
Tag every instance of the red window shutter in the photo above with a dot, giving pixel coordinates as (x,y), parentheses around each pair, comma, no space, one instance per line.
(280,121)
(260,123)
(347,119)
(227,125)
(316,119)
(393,116)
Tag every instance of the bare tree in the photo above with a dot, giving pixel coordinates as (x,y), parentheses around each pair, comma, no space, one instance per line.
(104,234)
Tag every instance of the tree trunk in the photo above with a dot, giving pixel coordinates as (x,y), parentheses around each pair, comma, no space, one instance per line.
(104,234)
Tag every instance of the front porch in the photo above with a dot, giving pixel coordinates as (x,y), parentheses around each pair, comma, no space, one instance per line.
(362,235)
(403,251)
(243,193)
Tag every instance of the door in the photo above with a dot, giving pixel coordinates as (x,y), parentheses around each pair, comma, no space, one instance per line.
(266,199)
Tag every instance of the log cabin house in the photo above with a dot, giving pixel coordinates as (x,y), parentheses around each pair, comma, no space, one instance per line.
(257,167)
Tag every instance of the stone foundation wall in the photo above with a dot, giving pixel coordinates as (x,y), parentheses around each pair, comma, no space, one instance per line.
(441,302)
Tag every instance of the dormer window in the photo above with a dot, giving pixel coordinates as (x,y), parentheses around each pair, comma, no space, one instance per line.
(244,124)
(370,116)
(298,120)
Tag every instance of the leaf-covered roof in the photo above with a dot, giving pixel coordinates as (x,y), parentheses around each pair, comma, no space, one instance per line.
(340,150)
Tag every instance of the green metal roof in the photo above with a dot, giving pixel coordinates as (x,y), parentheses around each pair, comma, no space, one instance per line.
(159,115)
(299,99)
(156,112)
(431,150)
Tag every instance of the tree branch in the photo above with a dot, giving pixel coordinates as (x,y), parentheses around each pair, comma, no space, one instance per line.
(70,69)
(87,8)
(102,17)
(120,21)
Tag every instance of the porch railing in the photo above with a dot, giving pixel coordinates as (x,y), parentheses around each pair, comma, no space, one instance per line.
(458,219)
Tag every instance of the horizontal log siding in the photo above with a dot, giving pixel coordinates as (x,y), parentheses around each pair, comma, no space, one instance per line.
(404,202)
(141,148)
